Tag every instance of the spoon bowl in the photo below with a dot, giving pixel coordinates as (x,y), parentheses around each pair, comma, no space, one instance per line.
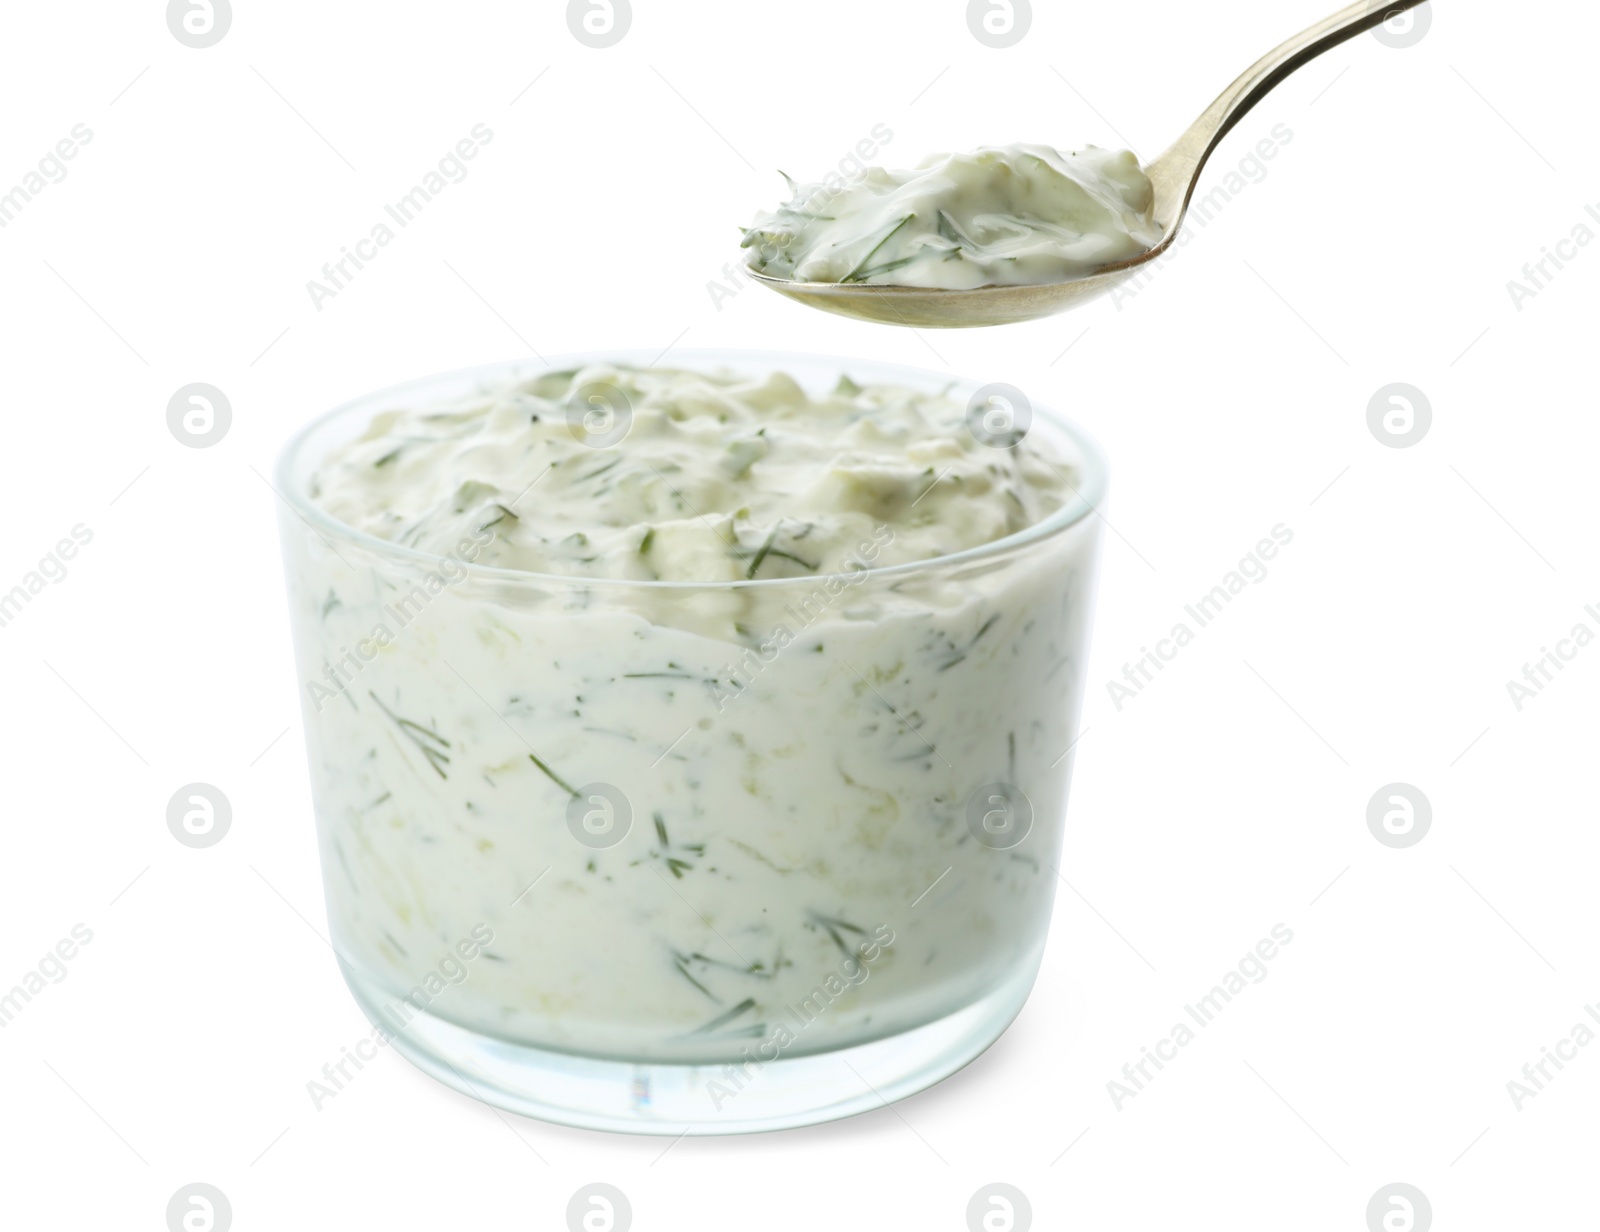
(1174,177)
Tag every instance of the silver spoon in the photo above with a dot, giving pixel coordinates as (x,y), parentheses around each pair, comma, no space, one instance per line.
(1174,175)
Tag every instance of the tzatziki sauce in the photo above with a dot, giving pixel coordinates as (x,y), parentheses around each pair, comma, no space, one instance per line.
(698,691)
(1000,216)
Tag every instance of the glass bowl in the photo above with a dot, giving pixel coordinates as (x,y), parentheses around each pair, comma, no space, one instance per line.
(669,857)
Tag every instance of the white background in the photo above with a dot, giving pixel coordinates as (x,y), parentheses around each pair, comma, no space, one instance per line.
(1229,796)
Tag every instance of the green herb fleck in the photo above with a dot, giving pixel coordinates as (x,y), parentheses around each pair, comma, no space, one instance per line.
(867,275)
(761,555)
(504,514)
(833,926)
(675,864)
(962,653)
(601,470)
(681,963)
(554,777)
(430,742)
(755,1030)
(855,275)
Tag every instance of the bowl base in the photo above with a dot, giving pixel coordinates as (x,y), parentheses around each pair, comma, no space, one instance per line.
(674,1100)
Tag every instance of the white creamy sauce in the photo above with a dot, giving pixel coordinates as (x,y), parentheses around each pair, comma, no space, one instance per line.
(1001,216)
(716,479)
(795,763)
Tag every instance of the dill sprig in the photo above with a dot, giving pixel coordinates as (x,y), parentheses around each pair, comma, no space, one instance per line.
(429,742)
(767,549)
(675,864)
(961,654)
(504,514)
(598,471)
(554,777)
(856,275)
(888,267)
(834,926)
(959,240)
(755,1030)
(680,963)
(761,555)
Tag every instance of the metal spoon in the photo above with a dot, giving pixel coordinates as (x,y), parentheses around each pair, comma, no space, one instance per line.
(1174,175)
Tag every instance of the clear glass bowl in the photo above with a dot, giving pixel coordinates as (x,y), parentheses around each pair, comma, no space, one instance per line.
(645,856)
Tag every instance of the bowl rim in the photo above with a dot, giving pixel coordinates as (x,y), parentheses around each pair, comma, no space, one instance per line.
(1086,501)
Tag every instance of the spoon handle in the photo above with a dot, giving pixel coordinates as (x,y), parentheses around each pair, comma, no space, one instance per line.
(1175,172)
